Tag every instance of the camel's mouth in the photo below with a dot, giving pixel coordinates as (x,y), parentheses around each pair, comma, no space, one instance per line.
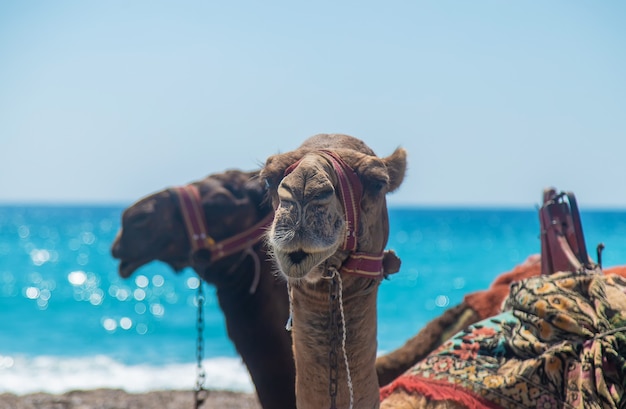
(297,264)
(127,268)
(297,257)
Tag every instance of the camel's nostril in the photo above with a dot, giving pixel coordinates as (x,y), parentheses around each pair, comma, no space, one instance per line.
(297,256)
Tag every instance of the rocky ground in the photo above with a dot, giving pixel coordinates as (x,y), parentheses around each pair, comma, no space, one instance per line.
(119,399)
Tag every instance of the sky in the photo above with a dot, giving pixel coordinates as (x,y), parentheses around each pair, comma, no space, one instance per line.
(109,101)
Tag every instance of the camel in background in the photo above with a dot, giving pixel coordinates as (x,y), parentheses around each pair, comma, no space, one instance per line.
(253,300)
(328,238)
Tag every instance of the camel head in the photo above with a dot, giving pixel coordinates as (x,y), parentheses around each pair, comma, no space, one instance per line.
(153,228)
(310,226)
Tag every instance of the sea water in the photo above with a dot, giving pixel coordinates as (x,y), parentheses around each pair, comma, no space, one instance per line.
(68,321)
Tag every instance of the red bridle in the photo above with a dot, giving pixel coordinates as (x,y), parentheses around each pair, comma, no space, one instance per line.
(196,225)
(369,265)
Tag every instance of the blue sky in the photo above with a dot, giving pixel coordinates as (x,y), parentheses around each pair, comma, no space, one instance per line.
(110,101)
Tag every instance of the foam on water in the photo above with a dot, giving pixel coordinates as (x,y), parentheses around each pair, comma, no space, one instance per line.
(53,374)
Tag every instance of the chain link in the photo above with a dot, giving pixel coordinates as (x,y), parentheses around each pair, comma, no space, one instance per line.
(333,295)
(201,393)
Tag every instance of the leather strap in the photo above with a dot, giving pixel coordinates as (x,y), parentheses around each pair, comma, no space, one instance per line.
(196,225)
(193,215)
(243,240)
(364,265)
(351,191)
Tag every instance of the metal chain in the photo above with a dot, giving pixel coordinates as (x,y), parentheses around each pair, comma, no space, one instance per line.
(333,295)
(201,393)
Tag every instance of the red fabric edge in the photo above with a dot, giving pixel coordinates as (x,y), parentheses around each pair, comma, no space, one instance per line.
(438,391)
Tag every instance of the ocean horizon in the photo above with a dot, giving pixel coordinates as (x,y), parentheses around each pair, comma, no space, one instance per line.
(70,322)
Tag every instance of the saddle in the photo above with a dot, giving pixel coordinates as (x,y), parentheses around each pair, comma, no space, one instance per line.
(562,240)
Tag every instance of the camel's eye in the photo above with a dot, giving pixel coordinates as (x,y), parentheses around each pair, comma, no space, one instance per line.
(220,200)
(139,214)
(139,219)
(271,183)
(376,186)
(287,204)
(237,192)
(325,195)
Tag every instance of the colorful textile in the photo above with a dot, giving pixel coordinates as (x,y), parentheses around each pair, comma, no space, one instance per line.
(561,343)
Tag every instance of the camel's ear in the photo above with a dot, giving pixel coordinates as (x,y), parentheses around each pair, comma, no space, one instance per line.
(374,175)
(396,168)
(256,188)
(275,166)
(383,173)
(146,204)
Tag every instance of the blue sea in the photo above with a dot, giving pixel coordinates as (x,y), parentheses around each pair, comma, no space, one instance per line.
(69,322)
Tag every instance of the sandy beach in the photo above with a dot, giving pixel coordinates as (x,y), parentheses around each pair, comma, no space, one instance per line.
(119,399)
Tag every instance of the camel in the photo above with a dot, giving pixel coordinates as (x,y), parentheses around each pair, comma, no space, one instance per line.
(253,300)
(328,235)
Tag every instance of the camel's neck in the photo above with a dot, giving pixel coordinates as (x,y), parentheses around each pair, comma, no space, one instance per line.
(256,324)
(312,340)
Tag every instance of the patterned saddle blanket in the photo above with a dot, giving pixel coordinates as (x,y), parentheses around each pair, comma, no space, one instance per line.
(560,342)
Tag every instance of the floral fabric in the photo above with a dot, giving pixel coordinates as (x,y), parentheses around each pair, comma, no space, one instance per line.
(561,343)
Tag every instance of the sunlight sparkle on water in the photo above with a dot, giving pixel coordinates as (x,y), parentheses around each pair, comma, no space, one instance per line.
(139,294)
(41,303)
(32,293)
(193,282)
(96,297)
(88,237)
(121,294)
(142,281)
(458,283)
(45,294)
(109,324)
(442,301)
(157,310)
(39,257)
(140,308)
(126,323)
(77,277)
(23,231)
(158,280)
